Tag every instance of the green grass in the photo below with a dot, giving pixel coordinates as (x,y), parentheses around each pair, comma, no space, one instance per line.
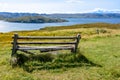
(98,57)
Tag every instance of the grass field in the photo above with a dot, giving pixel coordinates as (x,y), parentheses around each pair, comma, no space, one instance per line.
(97,58)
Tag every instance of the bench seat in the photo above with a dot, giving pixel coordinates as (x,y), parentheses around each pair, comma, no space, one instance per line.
(46,48)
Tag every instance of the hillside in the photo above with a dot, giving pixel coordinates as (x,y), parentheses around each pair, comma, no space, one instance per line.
(74,15)
(34,19)
(49,18)
(97,57)
(15,15)
(84,15)
(27,18)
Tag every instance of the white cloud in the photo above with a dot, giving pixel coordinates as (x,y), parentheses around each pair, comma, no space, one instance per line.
(3,4)
(40,8)
(74,1)
(69,6)
(100,10)
(19,7)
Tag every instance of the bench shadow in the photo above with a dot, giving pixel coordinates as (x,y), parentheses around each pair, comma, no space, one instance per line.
(49,61)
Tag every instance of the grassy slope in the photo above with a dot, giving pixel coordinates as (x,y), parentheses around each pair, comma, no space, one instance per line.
(100,48)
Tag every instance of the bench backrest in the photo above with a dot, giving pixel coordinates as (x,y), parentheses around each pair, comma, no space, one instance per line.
(16,41)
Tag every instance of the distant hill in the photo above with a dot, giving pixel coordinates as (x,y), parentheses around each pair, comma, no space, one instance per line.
(15,15)
(34,19)
(27,18)
(45,18)
(85,15)
(96,14)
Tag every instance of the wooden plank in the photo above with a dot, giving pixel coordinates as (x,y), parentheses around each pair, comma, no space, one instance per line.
(42,48)
(46,42)
(47,37)
(77,42)
(27,52)
(14,49)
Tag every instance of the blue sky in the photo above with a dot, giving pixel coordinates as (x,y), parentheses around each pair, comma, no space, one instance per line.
(58,6)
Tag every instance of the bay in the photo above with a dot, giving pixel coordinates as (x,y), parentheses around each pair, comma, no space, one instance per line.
(8,26)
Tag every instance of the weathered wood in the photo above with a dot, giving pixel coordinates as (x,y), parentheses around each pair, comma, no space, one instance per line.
(77,42)
(14,49)
(47,37)
(46,42)
(46,49)
(42,48)
(26,51)
(70,45)
(18,45)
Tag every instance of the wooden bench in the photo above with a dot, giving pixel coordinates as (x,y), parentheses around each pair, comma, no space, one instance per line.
(23,43)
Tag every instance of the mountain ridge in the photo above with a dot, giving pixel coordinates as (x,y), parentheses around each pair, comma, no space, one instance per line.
(98,10)
(20,17)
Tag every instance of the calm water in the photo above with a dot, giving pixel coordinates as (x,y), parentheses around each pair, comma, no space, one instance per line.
(7,26)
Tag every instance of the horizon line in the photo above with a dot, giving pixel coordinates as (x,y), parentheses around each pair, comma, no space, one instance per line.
(62,13)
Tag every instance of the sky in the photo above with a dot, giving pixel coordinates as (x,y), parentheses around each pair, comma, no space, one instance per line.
(58,6)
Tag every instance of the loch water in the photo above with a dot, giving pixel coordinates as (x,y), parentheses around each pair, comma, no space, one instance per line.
(10,26)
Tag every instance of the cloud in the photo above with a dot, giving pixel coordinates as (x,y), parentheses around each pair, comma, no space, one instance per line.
(3,4)
(100,10)
(103,10)
(19,7)
(74,1)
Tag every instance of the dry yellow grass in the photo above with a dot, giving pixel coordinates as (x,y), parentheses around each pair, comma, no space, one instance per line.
(102,48)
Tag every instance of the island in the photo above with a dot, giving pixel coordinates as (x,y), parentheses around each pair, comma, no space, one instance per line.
(34,19)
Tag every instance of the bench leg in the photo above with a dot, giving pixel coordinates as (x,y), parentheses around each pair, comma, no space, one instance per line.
(14,50)
(14,60)
(73,50)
